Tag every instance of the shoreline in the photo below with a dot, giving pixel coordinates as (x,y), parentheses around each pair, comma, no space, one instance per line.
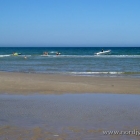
(27,83)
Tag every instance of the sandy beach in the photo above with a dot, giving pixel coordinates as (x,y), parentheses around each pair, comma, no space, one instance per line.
(44,115)
(68,116)
(27,83)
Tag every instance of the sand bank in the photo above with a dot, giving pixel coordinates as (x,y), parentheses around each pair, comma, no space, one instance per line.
(46,83)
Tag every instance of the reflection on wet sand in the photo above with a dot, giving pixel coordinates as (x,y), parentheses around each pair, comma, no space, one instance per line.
(11,132)
(68,116)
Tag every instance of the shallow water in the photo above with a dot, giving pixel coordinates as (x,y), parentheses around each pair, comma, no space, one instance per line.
(68,116)
(121,62)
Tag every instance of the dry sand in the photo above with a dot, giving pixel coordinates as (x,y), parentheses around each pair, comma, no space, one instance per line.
(27,83)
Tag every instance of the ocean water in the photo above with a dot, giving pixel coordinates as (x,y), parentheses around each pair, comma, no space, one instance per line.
(121,61)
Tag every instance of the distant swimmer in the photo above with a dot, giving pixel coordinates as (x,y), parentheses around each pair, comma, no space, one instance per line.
(102,50)
(15,53)
(45,53)
(57,53)
(25,57)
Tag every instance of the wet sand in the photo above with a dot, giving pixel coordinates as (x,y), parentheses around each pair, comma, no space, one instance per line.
(68,116)
(26,83)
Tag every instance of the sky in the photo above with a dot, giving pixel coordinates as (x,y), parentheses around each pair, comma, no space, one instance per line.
(88,23)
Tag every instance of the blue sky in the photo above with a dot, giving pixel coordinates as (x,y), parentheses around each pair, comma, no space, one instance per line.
(70,23)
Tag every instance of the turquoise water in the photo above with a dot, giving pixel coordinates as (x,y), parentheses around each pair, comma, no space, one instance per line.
(124,61)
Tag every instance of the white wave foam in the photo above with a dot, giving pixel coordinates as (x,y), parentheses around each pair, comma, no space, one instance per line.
(96,56)
(92,73)
(53,52)
(119,56)
(5,55)
(82,56)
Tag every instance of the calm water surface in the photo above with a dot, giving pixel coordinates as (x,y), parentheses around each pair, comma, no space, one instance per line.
(82,116)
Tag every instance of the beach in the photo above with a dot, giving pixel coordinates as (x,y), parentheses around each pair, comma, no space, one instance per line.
(64,107)
(69,116)
(69,70)
(27,83)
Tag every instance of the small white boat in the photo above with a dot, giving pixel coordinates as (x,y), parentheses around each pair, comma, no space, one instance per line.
(103,52)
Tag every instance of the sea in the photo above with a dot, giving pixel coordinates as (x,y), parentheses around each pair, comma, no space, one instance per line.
(81,61)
